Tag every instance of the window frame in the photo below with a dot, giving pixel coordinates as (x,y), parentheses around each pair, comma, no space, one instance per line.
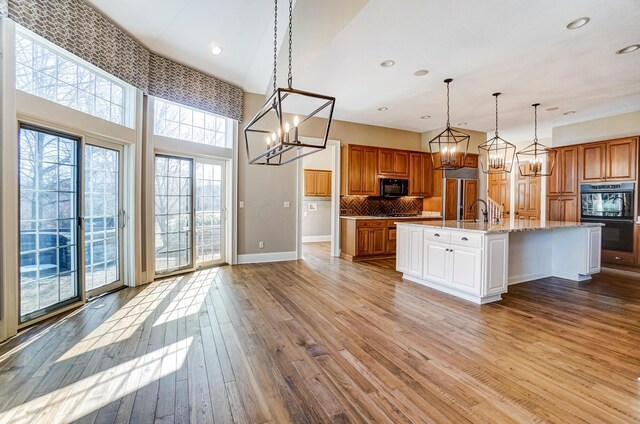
(128,91)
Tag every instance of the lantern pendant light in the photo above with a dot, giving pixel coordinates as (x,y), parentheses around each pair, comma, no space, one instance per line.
(496,154)
(533,158)
(449,148)
(272,136)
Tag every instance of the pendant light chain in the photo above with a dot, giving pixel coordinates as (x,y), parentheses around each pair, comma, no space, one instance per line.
(275,45)
(496,114)
(448,123)
(535,129)
(290,80)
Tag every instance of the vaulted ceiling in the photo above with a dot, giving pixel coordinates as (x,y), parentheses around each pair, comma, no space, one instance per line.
(520,48)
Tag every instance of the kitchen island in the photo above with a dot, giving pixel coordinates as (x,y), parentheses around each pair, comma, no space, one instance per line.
(478,261)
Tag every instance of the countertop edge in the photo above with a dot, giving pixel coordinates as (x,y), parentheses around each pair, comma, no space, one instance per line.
(499,230)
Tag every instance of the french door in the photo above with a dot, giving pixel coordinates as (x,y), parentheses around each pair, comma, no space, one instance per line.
(189,213)
(70,220)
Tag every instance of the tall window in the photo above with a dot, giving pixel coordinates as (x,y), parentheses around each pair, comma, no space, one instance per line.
(45,71)
(209,211)
(185,123)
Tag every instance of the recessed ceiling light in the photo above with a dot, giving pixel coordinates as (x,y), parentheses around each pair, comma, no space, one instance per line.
(387,63)
(629,49)
(551,109)
(569,112)
(216,50)
(578,23)
(421,72)
(425,117)
(462,124)
(383,109)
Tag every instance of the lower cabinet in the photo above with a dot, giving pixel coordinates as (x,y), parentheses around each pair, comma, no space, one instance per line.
(372,241)
(470,265)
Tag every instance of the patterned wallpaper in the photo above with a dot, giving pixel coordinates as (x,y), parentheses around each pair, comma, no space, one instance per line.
(78,28)
(371,206)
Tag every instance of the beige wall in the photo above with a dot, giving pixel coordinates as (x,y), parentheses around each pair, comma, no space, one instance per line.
(264,188)
(597,129)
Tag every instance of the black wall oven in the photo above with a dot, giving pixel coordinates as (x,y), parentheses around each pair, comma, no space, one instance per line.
(612,205)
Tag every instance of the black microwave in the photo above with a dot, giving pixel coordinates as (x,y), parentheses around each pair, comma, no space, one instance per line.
(394,187)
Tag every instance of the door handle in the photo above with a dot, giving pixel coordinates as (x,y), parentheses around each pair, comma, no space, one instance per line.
(122,217)
(81,222)
(464,239)
(436,235)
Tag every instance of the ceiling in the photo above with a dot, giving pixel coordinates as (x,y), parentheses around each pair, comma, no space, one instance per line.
(520,48)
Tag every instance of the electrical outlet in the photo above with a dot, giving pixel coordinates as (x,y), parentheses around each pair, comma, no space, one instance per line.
(241,205)
(261,245)
(287,204)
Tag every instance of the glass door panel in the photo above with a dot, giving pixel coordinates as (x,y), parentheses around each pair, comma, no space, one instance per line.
(173,214)
(102,225)
(209,212)
(48,221)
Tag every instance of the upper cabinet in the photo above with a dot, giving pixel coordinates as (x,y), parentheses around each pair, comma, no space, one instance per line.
(317,183)
(393,163)
(564,179)
(359,166)
(420,174)
(471,160)
(613,160)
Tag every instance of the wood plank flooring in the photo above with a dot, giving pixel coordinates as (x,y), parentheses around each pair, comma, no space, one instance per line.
(327,340)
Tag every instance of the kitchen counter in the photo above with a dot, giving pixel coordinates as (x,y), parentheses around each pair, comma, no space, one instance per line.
(510,226)
(478,261)
(392,218)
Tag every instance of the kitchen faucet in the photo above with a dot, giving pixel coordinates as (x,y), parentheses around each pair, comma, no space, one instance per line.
(484,211)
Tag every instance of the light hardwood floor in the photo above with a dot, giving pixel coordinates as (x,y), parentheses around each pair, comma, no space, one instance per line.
(327,340)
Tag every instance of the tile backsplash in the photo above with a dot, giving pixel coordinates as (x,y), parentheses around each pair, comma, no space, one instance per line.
(370,206)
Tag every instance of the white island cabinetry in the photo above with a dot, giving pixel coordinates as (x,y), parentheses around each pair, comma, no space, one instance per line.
(470,265)
(477,262)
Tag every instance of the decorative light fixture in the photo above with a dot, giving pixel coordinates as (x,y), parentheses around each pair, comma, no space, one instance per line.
(532,159)
(496,154)
(449,148)
(280,120)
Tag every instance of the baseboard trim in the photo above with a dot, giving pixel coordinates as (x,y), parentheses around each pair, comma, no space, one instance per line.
(517,279)
(256,258)
(315,239)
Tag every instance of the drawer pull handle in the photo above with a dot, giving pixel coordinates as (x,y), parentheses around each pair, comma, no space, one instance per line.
(436,235)
(465,239)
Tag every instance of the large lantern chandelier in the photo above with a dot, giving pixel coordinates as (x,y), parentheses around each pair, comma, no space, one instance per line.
(272,137)
(536,160)
(449,148)
(496,154)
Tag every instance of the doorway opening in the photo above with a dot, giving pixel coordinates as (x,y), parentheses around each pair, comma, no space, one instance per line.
(319,201)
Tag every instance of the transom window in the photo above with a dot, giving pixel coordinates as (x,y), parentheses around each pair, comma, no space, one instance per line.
(186,123)
(43,70)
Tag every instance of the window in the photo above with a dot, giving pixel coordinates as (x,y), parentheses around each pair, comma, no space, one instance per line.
(209,211)
(43,70)
(185,123)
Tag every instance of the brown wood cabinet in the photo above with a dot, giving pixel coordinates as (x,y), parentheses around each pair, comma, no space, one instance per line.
(613,160)
(420,174)
(527,201)
(500,191)
(451,199)
(470,194)
(317,183)
(359,166)
(393,163)
(471,160)
(564,179)
(563,208)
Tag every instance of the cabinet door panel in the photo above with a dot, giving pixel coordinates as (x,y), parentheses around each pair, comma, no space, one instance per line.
(470,194)
(595,241)
(402,247)
(401,164)
(378,240)
(356,163)
(415,251)
(436,261)
(385,162)
(554,181)
(427,175)
(309,182)
(369,176)
(555,209)
(621,160)
(593,162)
(364,243)
(323,183)
(466,269)
(415,174)
(569,172)
(570,209)
(451,199)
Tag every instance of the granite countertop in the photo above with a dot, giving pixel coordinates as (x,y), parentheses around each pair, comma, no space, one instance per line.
(395,218)
(508,226)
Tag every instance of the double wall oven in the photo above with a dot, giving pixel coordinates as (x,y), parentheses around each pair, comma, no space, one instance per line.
(612,205)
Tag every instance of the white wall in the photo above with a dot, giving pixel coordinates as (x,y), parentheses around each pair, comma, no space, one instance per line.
(618,126)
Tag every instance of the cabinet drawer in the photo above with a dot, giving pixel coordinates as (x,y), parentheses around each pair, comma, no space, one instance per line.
(466,239)
(391,235)
(380,223)
(441,236)
(621,258)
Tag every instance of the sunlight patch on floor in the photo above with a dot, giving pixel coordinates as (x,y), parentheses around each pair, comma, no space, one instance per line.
(84,396)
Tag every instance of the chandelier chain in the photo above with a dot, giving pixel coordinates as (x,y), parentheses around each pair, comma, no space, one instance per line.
(448,122)
(275,45)
(496,116)
(290,79)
